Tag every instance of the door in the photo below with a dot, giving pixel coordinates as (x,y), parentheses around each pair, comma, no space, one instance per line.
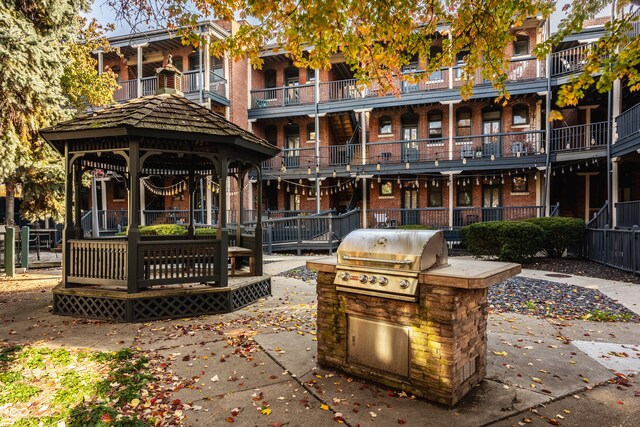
(292,147)
(292,96)
(491,128)
(410,144)
(410,214)
(491,203)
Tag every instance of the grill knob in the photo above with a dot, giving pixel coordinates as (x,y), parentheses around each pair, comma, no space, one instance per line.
(363,278)
(404,283)
(383,281)
(373,279)
(344,275)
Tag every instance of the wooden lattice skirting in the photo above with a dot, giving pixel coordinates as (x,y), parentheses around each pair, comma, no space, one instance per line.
(94,303)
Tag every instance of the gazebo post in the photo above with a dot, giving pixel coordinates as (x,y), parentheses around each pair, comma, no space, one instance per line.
(77,183)
(222,234)
(133,232)
(68,232)
(258,230)
(241,175)
(191,183)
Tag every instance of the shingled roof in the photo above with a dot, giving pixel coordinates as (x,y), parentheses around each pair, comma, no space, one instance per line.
(168,115)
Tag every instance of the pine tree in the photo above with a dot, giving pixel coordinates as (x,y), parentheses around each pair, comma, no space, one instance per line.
(44,47)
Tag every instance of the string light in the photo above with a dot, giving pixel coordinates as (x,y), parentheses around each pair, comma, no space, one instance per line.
(436,163)
(464,160)
(407,165)
(378,166)
(348,167)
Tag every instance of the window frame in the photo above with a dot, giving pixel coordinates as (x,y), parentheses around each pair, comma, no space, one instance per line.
(311,132)
(430,115)
(519,41)
(519,184)
(382,122)
(434,190)
(458,126)
(524,107)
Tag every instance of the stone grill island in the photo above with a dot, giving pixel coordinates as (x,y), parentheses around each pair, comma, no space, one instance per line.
(138,278)
(384,317)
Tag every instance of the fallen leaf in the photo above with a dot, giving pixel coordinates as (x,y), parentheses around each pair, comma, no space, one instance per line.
(134,403)
(266,411)
(402,422)
(215,379)
(500,353)
(230,420)
(324,407)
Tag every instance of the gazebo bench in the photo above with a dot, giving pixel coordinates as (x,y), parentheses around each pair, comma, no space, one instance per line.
(238,251)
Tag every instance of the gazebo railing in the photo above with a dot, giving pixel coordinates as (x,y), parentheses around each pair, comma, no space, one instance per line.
(98,262)
(181,261)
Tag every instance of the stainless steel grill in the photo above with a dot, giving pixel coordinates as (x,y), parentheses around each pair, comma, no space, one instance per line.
(386,263)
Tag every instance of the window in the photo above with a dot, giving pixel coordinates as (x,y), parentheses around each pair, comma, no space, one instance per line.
(519,184)
(311,74)
(435,124)
(435,194)
(384,126)
(520,115)
(194,62)
(311,132)
(271,135)
(463,121)
(460,63)
(521,46)
(464,195)
(386,188)
(217,68)
(119,189)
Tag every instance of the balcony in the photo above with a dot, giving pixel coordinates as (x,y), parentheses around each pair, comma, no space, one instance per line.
(570,61)
(191,84)
(474,148)
(519,70)
(579,137)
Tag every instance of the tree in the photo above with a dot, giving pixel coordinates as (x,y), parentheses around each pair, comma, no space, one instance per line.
(379,37)
(46,75)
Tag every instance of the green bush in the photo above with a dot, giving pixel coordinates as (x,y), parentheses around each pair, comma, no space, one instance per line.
(560,234)
(514,241)
(481,238)
(170,230)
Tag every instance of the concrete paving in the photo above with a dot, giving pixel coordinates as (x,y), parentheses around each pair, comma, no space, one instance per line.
(264,357)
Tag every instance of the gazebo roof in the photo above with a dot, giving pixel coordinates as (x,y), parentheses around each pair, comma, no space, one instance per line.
(164,116)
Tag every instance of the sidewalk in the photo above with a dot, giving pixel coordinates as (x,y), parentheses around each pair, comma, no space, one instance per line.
(267,353)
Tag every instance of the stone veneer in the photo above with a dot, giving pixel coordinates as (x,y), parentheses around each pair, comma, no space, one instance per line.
(448,334)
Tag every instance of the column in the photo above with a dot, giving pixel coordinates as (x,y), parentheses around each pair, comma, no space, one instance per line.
(95,232)
(587,191)
(240,181)
(450,201)
(67,232)
(140,59)
(100,61)
(209,201)
(192,195)
(450,70)
(207,64)
(103,196)
(77,184)
(222,220)
(133,232)
(615,194)
(316,95)
(363,137)
(257,251)
(143,203)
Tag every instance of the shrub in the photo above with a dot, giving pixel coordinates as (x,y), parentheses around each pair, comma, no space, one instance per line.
(481,238)
(519,241)
(170,230)
(560,234)
(514,241)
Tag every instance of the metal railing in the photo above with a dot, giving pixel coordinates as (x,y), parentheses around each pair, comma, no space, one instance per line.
(579,137)
(628,123)
(628,214)
(149,85)
(283,96)
(191,81)
(128,90)
(506,144)
(616,248)
(217,84)
(601,218)
(569,61)
(634,31)
(437,218)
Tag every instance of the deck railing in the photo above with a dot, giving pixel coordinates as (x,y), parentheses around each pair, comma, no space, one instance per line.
(392,218)
(601,218)
(508,144)
(628,214)
(149,85)
(217,84)
(628,123)
(579,137)
(616,248)
(98,262)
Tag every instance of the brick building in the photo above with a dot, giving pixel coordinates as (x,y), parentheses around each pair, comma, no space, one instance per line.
(424,157)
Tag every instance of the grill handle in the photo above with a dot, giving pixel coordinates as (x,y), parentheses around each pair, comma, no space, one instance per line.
(385,261)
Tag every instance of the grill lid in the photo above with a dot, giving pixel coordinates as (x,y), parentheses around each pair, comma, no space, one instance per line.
(412,250)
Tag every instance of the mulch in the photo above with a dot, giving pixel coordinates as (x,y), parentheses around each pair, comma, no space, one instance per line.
(581,267)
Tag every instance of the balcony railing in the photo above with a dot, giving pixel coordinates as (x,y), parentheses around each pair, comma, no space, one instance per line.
(149,85)
(217,84)
(468,215)
(489,146)
(128,90)
(579,137)
(628,123)
(570,60)
(282,96)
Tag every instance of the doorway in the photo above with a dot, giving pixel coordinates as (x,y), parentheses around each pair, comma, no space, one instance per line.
(491,203)
(410,143)
(491,128)
(410,214)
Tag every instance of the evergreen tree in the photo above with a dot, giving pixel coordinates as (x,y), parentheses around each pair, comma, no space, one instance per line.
(46,75)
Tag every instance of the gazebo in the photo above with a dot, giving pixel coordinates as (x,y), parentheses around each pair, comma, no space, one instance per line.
(137,278)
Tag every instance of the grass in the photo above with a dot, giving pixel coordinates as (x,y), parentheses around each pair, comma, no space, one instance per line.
(78,388)
(607,316)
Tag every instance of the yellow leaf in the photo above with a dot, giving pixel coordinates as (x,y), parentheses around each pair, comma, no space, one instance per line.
(536,380)
(586,380)
(266,411)
(135,402)
(500,353)
(324,407)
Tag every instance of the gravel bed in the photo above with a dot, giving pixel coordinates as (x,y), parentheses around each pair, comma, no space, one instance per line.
(536,297)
